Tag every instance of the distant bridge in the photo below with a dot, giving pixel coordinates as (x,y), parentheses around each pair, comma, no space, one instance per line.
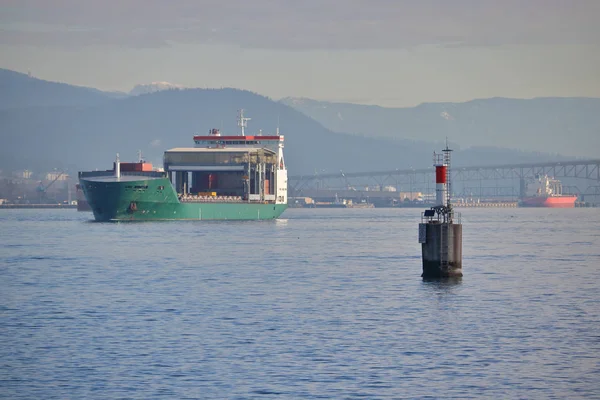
(504,180)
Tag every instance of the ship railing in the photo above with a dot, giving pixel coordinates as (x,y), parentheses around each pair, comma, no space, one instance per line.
(96,174)
(189,198)
(155,174)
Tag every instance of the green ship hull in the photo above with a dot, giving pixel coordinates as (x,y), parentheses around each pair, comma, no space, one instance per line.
(135,198)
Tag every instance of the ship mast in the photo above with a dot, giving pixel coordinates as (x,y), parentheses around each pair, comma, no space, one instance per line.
(243,121)
(117,167)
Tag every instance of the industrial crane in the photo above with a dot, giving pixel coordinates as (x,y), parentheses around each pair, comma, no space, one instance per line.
(42,190)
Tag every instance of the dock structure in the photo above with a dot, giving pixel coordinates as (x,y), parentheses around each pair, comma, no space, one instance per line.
(440,230)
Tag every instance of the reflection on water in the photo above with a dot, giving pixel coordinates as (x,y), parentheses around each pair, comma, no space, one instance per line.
(281,222)
(441,283)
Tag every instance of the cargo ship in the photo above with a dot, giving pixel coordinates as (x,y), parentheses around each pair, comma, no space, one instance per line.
(546,192)
(236,177)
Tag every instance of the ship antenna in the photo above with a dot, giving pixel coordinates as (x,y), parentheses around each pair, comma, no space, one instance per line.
(277,124)
(243,121)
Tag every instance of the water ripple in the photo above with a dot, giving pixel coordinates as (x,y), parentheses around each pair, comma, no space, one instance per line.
(325,304)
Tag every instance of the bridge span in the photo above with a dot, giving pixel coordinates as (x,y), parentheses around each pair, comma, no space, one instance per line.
(505,181)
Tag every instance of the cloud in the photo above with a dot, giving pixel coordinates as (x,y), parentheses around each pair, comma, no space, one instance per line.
(81,38)
(299,25)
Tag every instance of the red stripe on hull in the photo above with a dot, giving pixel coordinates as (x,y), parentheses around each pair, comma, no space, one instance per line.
(553,202)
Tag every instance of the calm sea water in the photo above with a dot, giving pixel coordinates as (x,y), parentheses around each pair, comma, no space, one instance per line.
(319,304)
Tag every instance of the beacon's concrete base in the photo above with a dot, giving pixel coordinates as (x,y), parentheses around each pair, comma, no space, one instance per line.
(442,250)
(432,269)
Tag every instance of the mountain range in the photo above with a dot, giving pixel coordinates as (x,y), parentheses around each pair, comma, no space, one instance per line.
(568,126)
(45,125)
(146,88)
(18,91)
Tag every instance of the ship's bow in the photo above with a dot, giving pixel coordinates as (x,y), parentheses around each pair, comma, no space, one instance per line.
(127,198)
(104,198)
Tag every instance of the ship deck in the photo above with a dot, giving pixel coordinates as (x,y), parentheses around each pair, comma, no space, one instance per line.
(220,199)
(123,178)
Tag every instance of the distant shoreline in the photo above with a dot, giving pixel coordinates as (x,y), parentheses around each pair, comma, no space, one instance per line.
(54,206)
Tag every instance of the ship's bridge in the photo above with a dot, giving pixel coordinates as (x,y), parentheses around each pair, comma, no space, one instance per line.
(216,159)
(215,140)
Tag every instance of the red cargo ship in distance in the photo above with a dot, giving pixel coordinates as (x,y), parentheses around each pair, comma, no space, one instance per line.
(546,192)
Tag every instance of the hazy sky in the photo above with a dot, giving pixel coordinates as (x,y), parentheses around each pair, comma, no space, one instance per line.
(387,52)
